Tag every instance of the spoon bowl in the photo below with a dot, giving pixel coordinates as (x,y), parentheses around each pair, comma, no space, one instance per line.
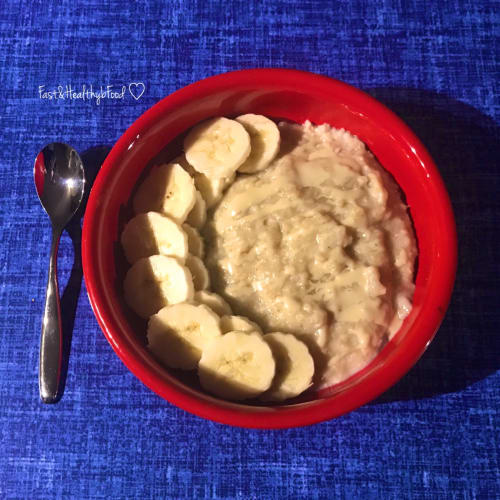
(59,181)
(60,185)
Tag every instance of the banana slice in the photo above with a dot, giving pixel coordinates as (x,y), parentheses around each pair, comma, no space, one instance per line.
(264,140)
(210,188)
(168,189)
(239,323)
(152,234)
(198,214)
(236,366)
(156,281)
(201,279)
(178,334)
(294,367)
(181,160)
(217,147)
(214,301)
(195,241)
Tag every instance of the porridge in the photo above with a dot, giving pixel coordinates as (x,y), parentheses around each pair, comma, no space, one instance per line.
(320,245)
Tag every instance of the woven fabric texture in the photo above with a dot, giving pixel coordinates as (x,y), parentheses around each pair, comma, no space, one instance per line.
(434,435)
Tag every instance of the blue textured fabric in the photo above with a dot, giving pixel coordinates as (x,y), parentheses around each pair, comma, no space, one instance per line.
(434,435)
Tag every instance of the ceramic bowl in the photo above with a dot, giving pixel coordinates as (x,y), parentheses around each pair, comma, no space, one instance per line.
(296,96)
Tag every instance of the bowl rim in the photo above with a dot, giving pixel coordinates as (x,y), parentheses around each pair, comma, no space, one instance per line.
(285,416)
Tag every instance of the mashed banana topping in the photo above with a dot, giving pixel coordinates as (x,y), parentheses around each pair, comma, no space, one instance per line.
(319,244)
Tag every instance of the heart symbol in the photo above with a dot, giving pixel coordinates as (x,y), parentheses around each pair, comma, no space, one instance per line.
(136,89)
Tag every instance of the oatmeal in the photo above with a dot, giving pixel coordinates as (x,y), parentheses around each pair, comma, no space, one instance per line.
(320,245)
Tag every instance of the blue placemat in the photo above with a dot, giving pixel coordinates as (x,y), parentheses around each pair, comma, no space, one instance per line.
(434,435)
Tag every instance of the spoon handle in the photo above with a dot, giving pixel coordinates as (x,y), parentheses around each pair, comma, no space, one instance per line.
(51,342)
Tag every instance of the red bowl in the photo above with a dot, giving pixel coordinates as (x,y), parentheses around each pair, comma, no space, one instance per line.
(296,96)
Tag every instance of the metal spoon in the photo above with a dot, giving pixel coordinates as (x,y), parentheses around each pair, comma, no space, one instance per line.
(60,183)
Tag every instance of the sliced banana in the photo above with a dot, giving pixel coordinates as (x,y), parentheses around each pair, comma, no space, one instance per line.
(214,301)
(178,334)
(236,366)
(210,188)
(198,214)
(168,189)
(294,367)
(201,279)
(195,241)
(156,281)
(264,140)
(153,234)
(181,160)
(217,147)
(239,323)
